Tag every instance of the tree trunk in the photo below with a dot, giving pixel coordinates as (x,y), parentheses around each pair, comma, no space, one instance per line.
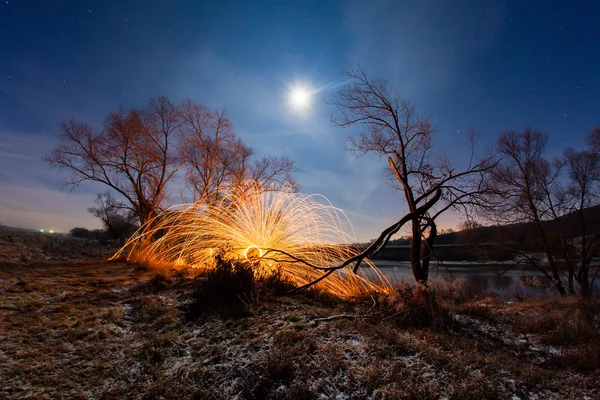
(415,253)
(548,252)
(583,280)
(428,248)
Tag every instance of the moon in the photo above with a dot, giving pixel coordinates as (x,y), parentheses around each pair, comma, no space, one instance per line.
(300,98)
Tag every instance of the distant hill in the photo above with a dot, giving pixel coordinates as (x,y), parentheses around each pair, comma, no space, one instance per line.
(572,225)
(486,241)
(494,233)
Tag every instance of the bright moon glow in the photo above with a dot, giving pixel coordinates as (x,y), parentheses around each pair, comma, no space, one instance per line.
(299,98)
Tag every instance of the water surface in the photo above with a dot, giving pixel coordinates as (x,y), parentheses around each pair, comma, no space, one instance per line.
(503,279)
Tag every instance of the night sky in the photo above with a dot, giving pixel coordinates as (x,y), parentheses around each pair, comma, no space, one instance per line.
(486,65)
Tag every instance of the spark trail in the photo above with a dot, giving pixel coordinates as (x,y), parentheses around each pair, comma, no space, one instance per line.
(303,235)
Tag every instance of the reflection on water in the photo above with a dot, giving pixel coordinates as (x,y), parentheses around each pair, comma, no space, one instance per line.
(479,279)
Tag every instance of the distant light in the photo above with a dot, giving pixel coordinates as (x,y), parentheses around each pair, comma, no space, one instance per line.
(41,230)
(51,231)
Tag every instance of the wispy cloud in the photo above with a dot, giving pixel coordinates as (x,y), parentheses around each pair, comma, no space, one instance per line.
(420,45)
(30,207)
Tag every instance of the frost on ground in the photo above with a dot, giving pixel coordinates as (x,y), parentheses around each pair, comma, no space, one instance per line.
(104,330)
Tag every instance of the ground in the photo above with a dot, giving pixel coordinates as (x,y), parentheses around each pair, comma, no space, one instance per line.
(96,329)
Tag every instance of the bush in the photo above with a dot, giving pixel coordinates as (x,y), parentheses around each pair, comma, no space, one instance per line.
(232,288)
(416,307)
(160,281)
(81,233)
(274,282)
(222,289)
(563,322)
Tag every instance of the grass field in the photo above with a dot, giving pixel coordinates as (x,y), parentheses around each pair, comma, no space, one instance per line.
(105,330)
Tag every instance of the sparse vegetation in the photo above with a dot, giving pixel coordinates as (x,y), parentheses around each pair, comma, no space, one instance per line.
(91,330)
(28,246)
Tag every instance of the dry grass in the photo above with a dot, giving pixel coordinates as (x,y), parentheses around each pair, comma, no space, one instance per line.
(23,247)
(112,330)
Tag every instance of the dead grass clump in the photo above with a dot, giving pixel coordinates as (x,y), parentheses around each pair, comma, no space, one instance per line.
(225,290)
(476,310)
(288,337)
(315,294)
(295,342)
(476,388)
(21,287)
(299,390)
(152,310)
(458,291)
(576,329)
(579,358)
(415,307)
(157,347)
(114,315)
(275,369)
(560,322)
(160,281)
(540,323)
(279,367)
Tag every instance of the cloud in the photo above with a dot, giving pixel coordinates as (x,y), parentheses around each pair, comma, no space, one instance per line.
(31,195)
(420,45)
(29,207)
(22,160)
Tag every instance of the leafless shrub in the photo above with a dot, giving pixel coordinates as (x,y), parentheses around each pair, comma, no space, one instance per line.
(416,307)
(233,286)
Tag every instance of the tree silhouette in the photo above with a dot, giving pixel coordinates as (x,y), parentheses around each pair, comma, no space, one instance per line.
(429,182)
(137,153)
(550,197)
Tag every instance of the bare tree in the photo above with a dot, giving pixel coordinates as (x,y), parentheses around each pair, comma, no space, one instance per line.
(430,183)
(118,221)
(218,161)
(550,197)
(582,192)
(263,174)
(138,152)
(211,148)
(134,154)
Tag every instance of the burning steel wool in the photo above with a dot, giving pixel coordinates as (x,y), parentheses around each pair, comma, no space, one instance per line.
(303,235)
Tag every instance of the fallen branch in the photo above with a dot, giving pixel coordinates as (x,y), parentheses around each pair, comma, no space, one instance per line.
(343,316)
(374,247)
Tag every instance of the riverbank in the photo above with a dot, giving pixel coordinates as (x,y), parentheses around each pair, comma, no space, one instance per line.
(112,330)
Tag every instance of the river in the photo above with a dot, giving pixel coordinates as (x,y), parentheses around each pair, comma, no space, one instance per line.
(503,279)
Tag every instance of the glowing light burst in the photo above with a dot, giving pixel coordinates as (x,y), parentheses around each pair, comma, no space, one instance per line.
(253,252)
(274,228)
